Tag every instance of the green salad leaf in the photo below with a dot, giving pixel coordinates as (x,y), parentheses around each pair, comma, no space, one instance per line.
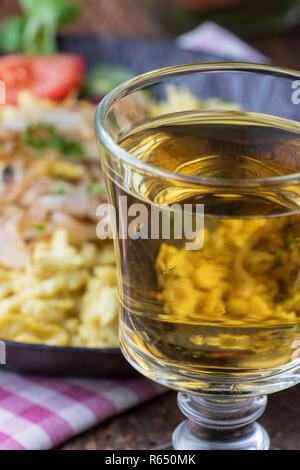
(11,35)
(35,32)
(101,79)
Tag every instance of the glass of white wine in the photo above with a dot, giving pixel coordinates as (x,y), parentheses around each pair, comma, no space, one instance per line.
(219,321)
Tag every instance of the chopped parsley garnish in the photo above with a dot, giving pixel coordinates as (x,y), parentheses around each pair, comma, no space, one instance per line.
(40,227)
(59,191)
(48,127)
(275,342)
(67,147)
(45,136)
(204,353)
(278,257)
(262,247)
(37,143)
(281,298)
(95,187)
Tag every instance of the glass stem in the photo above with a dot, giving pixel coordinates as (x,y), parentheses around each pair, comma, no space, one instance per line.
(220,423)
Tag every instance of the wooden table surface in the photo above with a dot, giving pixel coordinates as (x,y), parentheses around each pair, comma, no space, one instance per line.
(151,424)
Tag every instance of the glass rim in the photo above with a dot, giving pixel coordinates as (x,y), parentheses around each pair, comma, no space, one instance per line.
(166,72)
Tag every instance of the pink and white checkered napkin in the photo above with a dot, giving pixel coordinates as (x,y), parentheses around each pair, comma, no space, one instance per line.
(213,39)
(38,413)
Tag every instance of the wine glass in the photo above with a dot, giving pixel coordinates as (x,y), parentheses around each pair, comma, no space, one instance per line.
(202,172)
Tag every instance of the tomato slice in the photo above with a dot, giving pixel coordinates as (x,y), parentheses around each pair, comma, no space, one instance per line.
(15,72)
(52,77)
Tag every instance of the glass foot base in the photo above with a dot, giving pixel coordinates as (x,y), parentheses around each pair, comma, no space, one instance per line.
(185,439)
(221,424)
(169,446)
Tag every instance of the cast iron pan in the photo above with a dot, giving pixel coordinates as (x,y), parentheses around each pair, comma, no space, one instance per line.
(140,56)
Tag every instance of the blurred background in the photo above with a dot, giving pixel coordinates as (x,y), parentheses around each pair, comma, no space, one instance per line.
(271,26)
